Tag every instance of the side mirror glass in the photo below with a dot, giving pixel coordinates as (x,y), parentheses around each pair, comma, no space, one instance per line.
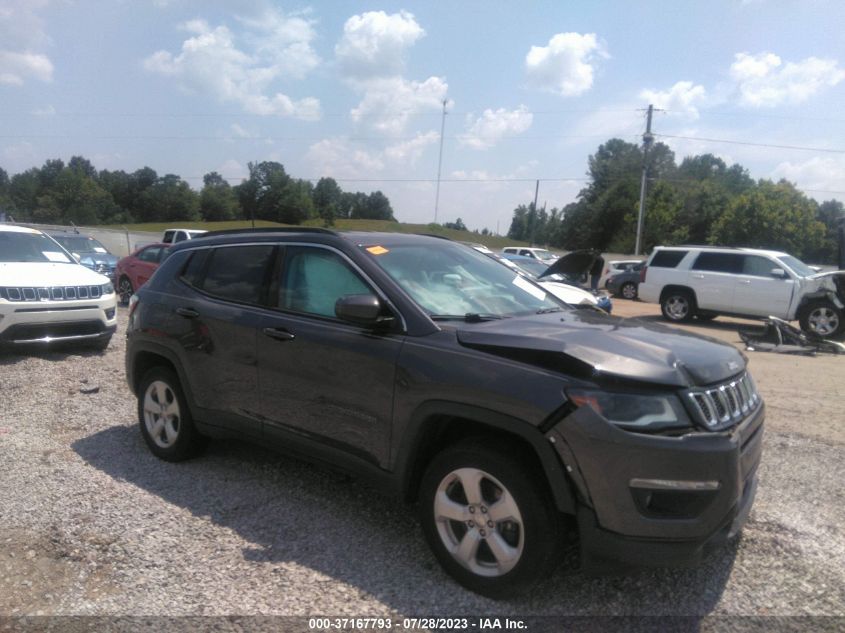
(363,310)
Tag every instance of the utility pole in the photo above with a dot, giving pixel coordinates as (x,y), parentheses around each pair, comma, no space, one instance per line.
(440,161)
(648,138)
(534,211)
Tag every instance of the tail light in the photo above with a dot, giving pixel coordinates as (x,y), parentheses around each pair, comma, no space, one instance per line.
(642,274)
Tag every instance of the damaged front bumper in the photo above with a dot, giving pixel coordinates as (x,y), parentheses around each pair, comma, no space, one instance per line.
(657,500)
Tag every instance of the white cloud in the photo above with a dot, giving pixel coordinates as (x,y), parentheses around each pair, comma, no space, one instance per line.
(818,173)
(410,151)
(232,169)
(374,43)
(682,98)
(46,111)
(485,131)
(339,158)
(389,102)
(15,67)
(211,62)
(566,65)
(21,35)
(765,81)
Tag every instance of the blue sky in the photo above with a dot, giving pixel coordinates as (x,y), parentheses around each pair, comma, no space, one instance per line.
(353,90)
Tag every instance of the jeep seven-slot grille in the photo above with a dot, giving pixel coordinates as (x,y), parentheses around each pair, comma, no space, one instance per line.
(52,293)
(726,404)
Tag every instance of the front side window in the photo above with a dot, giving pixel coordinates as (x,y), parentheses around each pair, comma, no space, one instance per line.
(30,247)
(667,259)
(800,268)
(240,273)
(719,262)
(447,280)
(313,279)
(758,266)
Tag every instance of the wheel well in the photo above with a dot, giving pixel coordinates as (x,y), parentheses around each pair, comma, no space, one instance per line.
(667,289)
(144,361)
(444,430)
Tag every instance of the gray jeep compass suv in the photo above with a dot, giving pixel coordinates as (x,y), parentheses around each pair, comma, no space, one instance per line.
(442,376)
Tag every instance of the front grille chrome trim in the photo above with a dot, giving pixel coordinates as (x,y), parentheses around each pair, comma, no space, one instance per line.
(725,404)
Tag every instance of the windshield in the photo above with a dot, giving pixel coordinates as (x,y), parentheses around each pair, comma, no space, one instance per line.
(800,268)
(448,279)
(543,254)
(80,244)
(30,247)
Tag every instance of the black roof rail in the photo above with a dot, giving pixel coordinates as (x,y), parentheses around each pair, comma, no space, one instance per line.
(736,248)
(268,229)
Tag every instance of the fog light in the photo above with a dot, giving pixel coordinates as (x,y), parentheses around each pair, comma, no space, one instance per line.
(109,313)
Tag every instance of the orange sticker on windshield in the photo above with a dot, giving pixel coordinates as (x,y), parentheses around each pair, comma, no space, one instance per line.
(377,250)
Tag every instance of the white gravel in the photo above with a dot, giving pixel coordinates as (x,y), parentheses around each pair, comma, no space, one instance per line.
(92,524)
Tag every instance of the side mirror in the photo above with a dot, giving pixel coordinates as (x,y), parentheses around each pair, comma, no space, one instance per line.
(363,310)
(779,273)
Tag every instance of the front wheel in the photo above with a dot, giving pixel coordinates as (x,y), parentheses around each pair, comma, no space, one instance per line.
(822,318)
(678,306)
(487,519)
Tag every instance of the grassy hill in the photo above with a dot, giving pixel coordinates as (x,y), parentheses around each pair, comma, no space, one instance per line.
(492,241)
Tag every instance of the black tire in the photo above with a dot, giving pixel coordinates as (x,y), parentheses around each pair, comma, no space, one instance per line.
(170,434)
(534,541)
(822,318)
(628,290)
(125,290)
(678,306)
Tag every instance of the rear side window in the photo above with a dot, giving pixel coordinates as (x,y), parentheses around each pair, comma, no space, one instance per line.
(667,259)
(719,262)
(239,273)
(194,269)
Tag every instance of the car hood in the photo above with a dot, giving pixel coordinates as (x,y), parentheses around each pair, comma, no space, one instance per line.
(605,348)
(574,263)
(35,274)
(570,294)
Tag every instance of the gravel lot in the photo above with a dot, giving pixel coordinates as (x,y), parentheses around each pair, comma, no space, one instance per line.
(92,524)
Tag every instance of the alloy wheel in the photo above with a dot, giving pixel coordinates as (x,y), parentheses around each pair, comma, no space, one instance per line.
(677,307)
(629,291)
(479,522)
(124,289)
(162,416)
(823,321)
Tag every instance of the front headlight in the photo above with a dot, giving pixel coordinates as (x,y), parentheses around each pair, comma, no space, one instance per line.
(634,412)
(107,289)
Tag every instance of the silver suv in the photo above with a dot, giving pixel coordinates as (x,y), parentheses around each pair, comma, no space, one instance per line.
(704,282)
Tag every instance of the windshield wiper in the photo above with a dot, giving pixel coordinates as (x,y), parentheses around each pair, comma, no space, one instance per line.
(548,310)
(469,317)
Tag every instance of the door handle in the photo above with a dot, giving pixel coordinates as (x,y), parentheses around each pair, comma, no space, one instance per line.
(698,276)
(745,281)
(188,313)
(280,334)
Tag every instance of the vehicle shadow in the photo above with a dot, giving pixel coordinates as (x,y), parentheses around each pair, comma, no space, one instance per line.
(289,511)
(56,354)
(696,325)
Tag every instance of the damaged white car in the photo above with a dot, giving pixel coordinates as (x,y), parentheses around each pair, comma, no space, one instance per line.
(704,282)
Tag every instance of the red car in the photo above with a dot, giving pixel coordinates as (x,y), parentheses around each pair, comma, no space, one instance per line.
(134,270)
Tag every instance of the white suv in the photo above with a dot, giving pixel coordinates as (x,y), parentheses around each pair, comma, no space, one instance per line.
(704,282)
(47,297)
(172,236)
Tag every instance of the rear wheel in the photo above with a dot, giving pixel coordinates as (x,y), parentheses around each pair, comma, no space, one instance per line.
(125,290)
(822,318)
(678,305)
(487,519)
(164,416)
(629,290)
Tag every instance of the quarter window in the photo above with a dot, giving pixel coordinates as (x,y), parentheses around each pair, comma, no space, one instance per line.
(150,254)
(313,279)
(719,262)
(667,259)
(239,273)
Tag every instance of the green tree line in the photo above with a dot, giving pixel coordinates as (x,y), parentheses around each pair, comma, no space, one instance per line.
(60,193)
(702,200)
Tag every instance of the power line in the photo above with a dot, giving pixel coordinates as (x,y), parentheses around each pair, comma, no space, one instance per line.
(770,145)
